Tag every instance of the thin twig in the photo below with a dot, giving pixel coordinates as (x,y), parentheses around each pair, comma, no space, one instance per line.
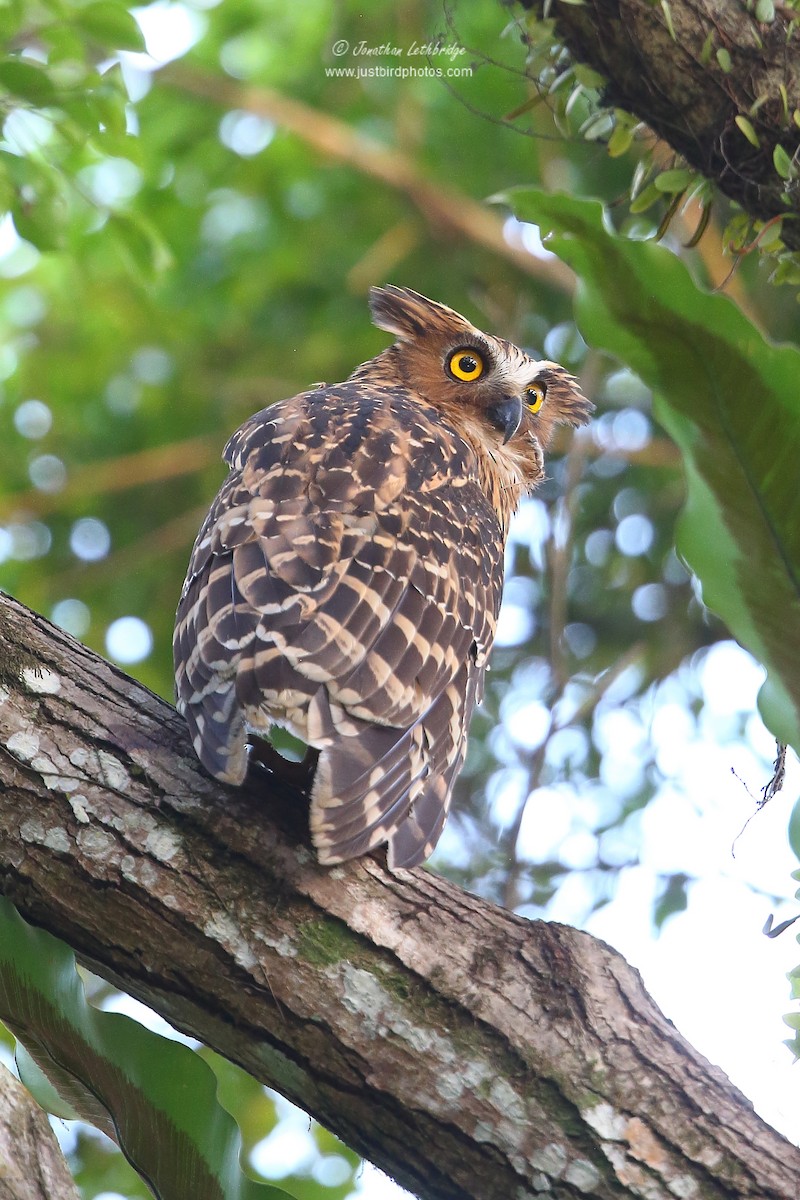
(770,788)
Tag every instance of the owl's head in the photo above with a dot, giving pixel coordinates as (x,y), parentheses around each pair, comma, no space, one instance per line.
(489,389)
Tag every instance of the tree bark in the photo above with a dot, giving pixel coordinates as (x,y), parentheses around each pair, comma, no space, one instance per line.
(691,97)
(467,1052)
(32,1166)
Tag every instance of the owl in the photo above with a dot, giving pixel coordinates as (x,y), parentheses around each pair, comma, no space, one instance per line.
(346,582)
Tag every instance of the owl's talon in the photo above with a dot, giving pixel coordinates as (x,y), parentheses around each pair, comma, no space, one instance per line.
(300,775)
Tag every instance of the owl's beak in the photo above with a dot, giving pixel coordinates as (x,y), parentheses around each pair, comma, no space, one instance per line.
(506,415)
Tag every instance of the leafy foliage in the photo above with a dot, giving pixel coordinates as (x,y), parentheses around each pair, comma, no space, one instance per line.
(684,166)
(729,400)
(153,1096)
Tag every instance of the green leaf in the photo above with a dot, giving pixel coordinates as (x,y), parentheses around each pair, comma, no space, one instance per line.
(110,24)
(673,898)
(646,199)
(770,233)
(676,180)
(730,400)
(787,271)
(622,137)
(41,1088)
(155,1097)
(765,11)
(41,221)
(588,77)
(110,100)
(708,44)
(747,129)
(14,15)
(620,141)
(724,60)
(27,81)
(668,19)
(143,249)
(794,832)
(64,45)
(783,163)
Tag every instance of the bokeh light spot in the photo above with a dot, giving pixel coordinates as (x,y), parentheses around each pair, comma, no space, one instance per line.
(128,640)
(649,602)
(33,419)
(90,539)
(31,539)
(635,535)
(245,133)
(73,616)
(152,365)
(47,473)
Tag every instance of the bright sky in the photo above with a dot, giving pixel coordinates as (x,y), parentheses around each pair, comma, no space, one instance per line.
(713,971)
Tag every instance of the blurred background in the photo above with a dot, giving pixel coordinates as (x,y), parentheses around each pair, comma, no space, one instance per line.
(205,247)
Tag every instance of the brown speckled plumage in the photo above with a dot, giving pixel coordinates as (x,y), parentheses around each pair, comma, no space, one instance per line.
(347,580)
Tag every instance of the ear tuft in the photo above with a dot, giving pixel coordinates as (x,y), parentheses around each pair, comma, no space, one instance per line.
(563,392)
(400,311)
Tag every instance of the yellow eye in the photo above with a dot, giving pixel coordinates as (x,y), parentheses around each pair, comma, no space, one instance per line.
(534,396)
(465,365)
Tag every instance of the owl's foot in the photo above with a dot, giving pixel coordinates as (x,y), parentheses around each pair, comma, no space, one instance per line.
(300,775)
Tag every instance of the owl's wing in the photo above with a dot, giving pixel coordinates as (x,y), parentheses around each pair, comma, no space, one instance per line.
(406,689)
(349,592)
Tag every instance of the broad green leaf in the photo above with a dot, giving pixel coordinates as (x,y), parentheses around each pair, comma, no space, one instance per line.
(41,221)
(64,44)
(155,1097)
(676,180)
(731,401)
(26,80)
(111,24)
(44,1092)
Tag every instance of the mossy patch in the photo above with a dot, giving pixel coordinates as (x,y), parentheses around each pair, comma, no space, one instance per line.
(14,658)
(324,941)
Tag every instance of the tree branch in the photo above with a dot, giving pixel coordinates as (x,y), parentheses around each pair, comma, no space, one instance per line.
(466,1051)
(690,96)
(32,1166)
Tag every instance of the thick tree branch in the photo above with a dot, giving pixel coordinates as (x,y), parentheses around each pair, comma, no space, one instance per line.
(690,95)
(466,1051)
(32,1166)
